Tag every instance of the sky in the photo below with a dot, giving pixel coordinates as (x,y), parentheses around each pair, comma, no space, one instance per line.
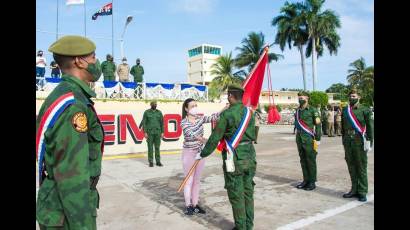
(162,31)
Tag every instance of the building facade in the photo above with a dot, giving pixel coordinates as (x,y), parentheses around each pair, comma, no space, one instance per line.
(200,60)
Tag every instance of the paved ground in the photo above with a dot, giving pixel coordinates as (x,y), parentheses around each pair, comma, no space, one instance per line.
(134,196)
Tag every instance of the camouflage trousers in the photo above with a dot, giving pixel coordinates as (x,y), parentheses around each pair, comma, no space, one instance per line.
(240,187)
(356,159)
(307,157)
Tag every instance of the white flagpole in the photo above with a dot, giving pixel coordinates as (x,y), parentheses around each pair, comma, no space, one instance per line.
(85,21)
(57,23)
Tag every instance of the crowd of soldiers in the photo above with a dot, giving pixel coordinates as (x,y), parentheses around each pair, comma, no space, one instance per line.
(70,143)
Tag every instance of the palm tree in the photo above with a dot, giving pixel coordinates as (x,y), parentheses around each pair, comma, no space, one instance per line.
(362,77)
(292,30)
(223,72)
(251,50)
(322,31)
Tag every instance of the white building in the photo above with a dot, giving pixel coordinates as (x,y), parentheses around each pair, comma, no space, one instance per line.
(289,97)
(200,60)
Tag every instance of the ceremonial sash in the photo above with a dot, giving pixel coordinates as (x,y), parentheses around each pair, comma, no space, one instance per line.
(236,138)
(355,123)
(47,121)
(303,126)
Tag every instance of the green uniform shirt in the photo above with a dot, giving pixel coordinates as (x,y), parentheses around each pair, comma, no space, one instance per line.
(73,154)
(226,127)
(365,117)
(152,121)
(108,68)
(137,71)
(310,116)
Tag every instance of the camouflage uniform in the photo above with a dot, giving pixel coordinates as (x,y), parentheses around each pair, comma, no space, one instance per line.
(355,156)
(108,70)
(68,198)
(239,184)
(153,125)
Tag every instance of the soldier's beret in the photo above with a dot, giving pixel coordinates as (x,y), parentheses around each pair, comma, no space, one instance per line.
(235,88)
(303,93)
(72,45)
(153,102)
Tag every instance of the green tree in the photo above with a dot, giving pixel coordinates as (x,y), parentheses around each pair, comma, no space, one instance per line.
(292,30)
(322,27)
(223,72)
(362,78)
(340,91)
(251,50)
(318,98)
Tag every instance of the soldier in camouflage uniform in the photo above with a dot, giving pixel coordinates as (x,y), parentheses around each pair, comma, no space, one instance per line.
(307,143)
(108,68)
(153,125)
(70,138)
(239,184)
(356,147)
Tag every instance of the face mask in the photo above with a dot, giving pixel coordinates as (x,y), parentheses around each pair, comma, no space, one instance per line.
(153,107)
(124,62)
(40,54)
(302,101)
(194,111)
(138,63)
(353,101)
(94,69)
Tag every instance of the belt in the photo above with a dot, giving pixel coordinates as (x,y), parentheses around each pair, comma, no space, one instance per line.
(94,182)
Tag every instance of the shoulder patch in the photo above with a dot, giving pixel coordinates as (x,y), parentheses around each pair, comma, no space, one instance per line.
(79,122)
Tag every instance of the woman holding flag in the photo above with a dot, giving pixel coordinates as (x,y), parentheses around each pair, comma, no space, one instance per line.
(192,125)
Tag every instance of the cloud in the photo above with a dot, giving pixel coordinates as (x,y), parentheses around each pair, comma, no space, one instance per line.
(193,6)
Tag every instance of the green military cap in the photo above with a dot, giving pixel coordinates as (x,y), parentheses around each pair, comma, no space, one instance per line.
(72,45)
(153,102)
(235,88)
(303,93)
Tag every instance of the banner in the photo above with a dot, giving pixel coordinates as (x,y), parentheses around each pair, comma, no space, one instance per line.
(128,88)
(111,87)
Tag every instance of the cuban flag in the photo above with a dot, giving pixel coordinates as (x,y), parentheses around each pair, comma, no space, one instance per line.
(105,10)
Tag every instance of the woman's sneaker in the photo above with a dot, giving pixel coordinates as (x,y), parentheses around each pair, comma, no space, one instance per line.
(198,209)
(189,211)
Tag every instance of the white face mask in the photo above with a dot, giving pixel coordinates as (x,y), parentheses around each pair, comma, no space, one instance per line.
(124,62)
(194,111)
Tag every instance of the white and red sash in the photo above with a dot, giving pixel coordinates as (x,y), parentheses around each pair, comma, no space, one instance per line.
(47,121)
(302,125)
(355,123)
(236,138)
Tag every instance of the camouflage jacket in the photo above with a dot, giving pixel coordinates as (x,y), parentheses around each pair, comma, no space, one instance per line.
(226,127)
(152,121)
(365,117)
(72,158)
(108,68)
(310,116)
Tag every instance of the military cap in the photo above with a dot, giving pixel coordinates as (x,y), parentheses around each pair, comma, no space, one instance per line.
(72,45)
(124,58)
(235,88)
(303,93)
(138,59)
(153,102)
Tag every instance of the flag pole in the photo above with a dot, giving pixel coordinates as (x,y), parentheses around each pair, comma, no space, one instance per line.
(57,23)
(85,21)
(112,28)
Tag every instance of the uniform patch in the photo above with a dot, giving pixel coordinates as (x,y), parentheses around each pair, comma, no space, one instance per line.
(317,120)
(79,122)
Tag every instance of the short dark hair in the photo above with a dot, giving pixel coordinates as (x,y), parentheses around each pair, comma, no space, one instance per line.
(237,94)
(185,106)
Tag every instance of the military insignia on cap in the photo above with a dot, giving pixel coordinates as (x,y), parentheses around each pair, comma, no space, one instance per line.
(317,120)
(79,122)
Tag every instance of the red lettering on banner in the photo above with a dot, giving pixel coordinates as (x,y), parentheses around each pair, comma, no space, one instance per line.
(127,121)
(176,120)
(107,122)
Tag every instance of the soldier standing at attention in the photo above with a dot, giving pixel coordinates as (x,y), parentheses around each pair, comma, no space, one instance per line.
(153,125)
(108,68)
(357,136)
(137,71)
(123,70)
(308,135)
(330,117)
(324,120)
(69,141)
(239,157)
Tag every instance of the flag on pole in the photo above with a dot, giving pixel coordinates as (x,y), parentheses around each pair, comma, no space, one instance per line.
(105,10)
(74,2)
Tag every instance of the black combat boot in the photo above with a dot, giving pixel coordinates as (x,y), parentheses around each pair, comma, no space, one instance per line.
(310,186)
(349,195)
(301,185)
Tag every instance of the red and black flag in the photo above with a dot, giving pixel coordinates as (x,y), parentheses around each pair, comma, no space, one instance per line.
(105,10)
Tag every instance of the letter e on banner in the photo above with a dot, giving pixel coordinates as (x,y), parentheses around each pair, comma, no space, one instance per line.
(109,128)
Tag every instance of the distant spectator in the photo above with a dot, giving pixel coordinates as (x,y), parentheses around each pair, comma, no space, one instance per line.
(137,71)
(55,70)
(330,116)
(108,68)
(338,119)
(40,66)
(123,71)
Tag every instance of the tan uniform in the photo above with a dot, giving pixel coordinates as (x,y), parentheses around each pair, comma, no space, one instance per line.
(123,71)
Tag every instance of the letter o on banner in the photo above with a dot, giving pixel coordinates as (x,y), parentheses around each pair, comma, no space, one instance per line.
(174,119)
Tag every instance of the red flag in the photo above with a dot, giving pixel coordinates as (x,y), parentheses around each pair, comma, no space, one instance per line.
(273,115)
(253,83)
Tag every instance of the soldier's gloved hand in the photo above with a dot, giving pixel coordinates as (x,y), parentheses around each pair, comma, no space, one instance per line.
(198,156)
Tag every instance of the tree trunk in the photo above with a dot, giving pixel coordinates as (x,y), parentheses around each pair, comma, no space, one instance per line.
(302,57)
(314,59)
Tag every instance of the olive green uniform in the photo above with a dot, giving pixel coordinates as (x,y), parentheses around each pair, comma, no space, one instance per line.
(108,69)
(355,156)
(324,121)
(137,71)
(239,184)
(310,116)
(153,125)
